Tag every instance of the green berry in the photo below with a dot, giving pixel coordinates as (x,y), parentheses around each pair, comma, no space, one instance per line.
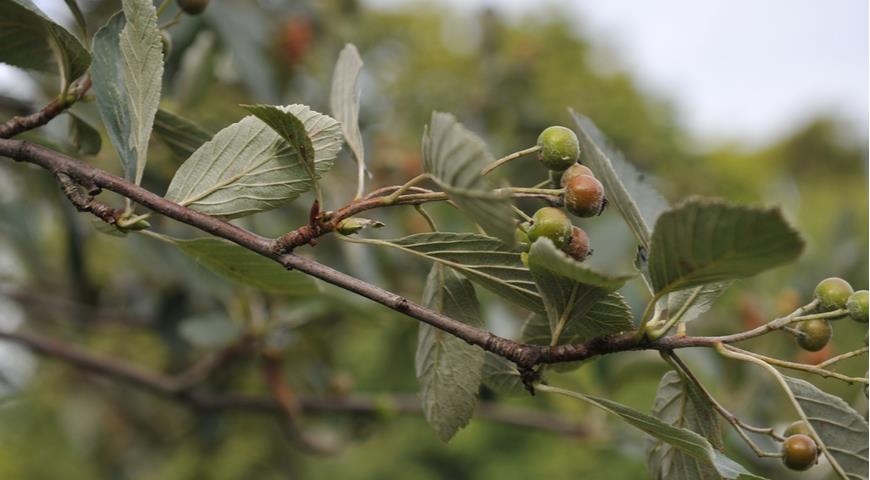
(524,257)
(551,223)
(192,7)
(578,245)
(857,305)
(574,171)
(833,293)
(559,148)
(816,334)
(584,196)
(797,427)
(799,452)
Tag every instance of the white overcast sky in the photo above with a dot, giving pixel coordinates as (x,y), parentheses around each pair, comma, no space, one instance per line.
(748,69)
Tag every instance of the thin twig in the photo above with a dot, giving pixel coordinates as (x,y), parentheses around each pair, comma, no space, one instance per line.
(799,366)
(18,124)
(507,158)
(841,357)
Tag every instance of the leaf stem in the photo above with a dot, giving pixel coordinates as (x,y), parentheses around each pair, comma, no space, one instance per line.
(389,199)
(739,426)
(728,351)
(799,366)
(513,156)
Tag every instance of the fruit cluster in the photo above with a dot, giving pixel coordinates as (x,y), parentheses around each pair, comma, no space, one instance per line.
(832,294)
(584,196)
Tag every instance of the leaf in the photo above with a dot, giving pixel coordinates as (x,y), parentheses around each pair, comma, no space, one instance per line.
(127,75)
(243,266)
(843,430)
(682,439)
(454,157)
(679,403)
(247,167)
(609,314)
(448,368)
(292,130)
(84,137)
(690,303)
(344,105)
(77,15)
(706,241)
(182,136)
(484,260)
(544,254)
(502,376)
(637,202)
(567,301)
(209,331)
(31,40)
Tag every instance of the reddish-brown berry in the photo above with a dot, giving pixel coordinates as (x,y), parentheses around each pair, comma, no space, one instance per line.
(577,246)
(584,196)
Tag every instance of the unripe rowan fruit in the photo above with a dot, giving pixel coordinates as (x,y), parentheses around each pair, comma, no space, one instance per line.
(192,7)
(578,245)
(816,334)
(799,452)
(796,428)
(559,148)
(574,171)
(524,257)
(551,223)
(833,293)
(584,196)
(857,305)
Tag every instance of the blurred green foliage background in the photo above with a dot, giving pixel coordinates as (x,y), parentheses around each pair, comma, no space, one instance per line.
(130,297)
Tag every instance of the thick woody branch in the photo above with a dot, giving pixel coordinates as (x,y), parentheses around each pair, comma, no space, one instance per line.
(525,356)
(361,405)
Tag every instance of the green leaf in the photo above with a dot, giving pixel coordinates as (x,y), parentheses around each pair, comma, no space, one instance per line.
(608,314)
(291,130)
(448,368)
(568,302)
(244,266)
(484,260)
(637,202)
(77,15)
(209,331)
(843,430)
(544,254)
(127,75)
(31,40)
(679,403)
(344,105)
(247,167)
(690,303)
(182,136)
(454,157)
(682,439)
(84,137)
(705,241)
(502,376)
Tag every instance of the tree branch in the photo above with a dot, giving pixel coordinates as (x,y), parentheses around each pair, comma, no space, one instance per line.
(362,405)
(525,356)
(18,124)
